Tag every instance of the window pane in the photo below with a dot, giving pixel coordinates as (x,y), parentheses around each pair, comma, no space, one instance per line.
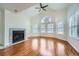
(50,26)
(60,28)
(50,30)
(43,20)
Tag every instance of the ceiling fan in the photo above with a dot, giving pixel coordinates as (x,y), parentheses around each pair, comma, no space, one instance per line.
(42,7)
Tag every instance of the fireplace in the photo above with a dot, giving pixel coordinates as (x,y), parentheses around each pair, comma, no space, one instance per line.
(16,35)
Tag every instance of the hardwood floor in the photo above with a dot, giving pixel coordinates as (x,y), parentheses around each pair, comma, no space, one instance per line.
(40,46)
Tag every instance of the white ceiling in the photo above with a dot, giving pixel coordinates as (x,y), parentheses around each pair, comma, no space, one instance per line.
(18,6)
(22,6)
(58,6)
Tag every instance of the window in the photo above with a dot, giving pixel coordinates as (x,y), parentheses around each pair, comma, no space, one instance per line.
(60,28)
(74,26)
(50,28)
(47,24)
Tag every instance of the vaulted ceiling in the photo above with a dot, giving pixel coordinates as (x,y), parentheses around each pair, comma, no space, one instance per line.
(21,6)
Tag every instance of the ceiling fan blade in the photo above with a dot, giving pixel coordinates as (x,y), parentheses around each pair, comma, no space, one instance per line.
(41,7)
(45,6)
(40,4)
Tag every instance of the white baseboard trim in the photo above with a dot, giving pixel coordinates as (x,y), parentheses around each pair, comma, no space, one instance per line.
(13,44)
(73,46)
(1,47)
(17,42)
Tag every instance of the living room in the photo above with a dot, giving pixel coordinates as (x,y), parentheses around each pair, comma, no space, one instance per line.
(20,22)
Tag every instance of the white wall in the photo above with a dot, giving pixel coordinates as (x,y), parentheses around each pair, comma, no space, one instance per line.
(10,22)
(71,10)
(2,27)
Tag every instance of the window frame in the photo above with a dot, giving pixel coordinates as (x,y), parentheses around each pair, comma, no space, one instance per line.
(75,26)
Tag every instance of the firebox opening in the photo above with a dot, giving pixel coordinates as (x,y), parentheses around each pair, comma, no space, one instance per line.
(18,36)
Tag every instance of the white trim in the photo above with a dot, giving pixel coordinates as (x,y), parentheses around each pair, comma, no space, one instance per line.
(13,44)
(76,38)
(1,47)
(17,42)
(73,46)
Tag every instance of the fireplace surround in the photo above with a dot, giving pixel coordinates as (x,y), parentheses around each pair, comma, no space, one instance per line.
(16,35)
